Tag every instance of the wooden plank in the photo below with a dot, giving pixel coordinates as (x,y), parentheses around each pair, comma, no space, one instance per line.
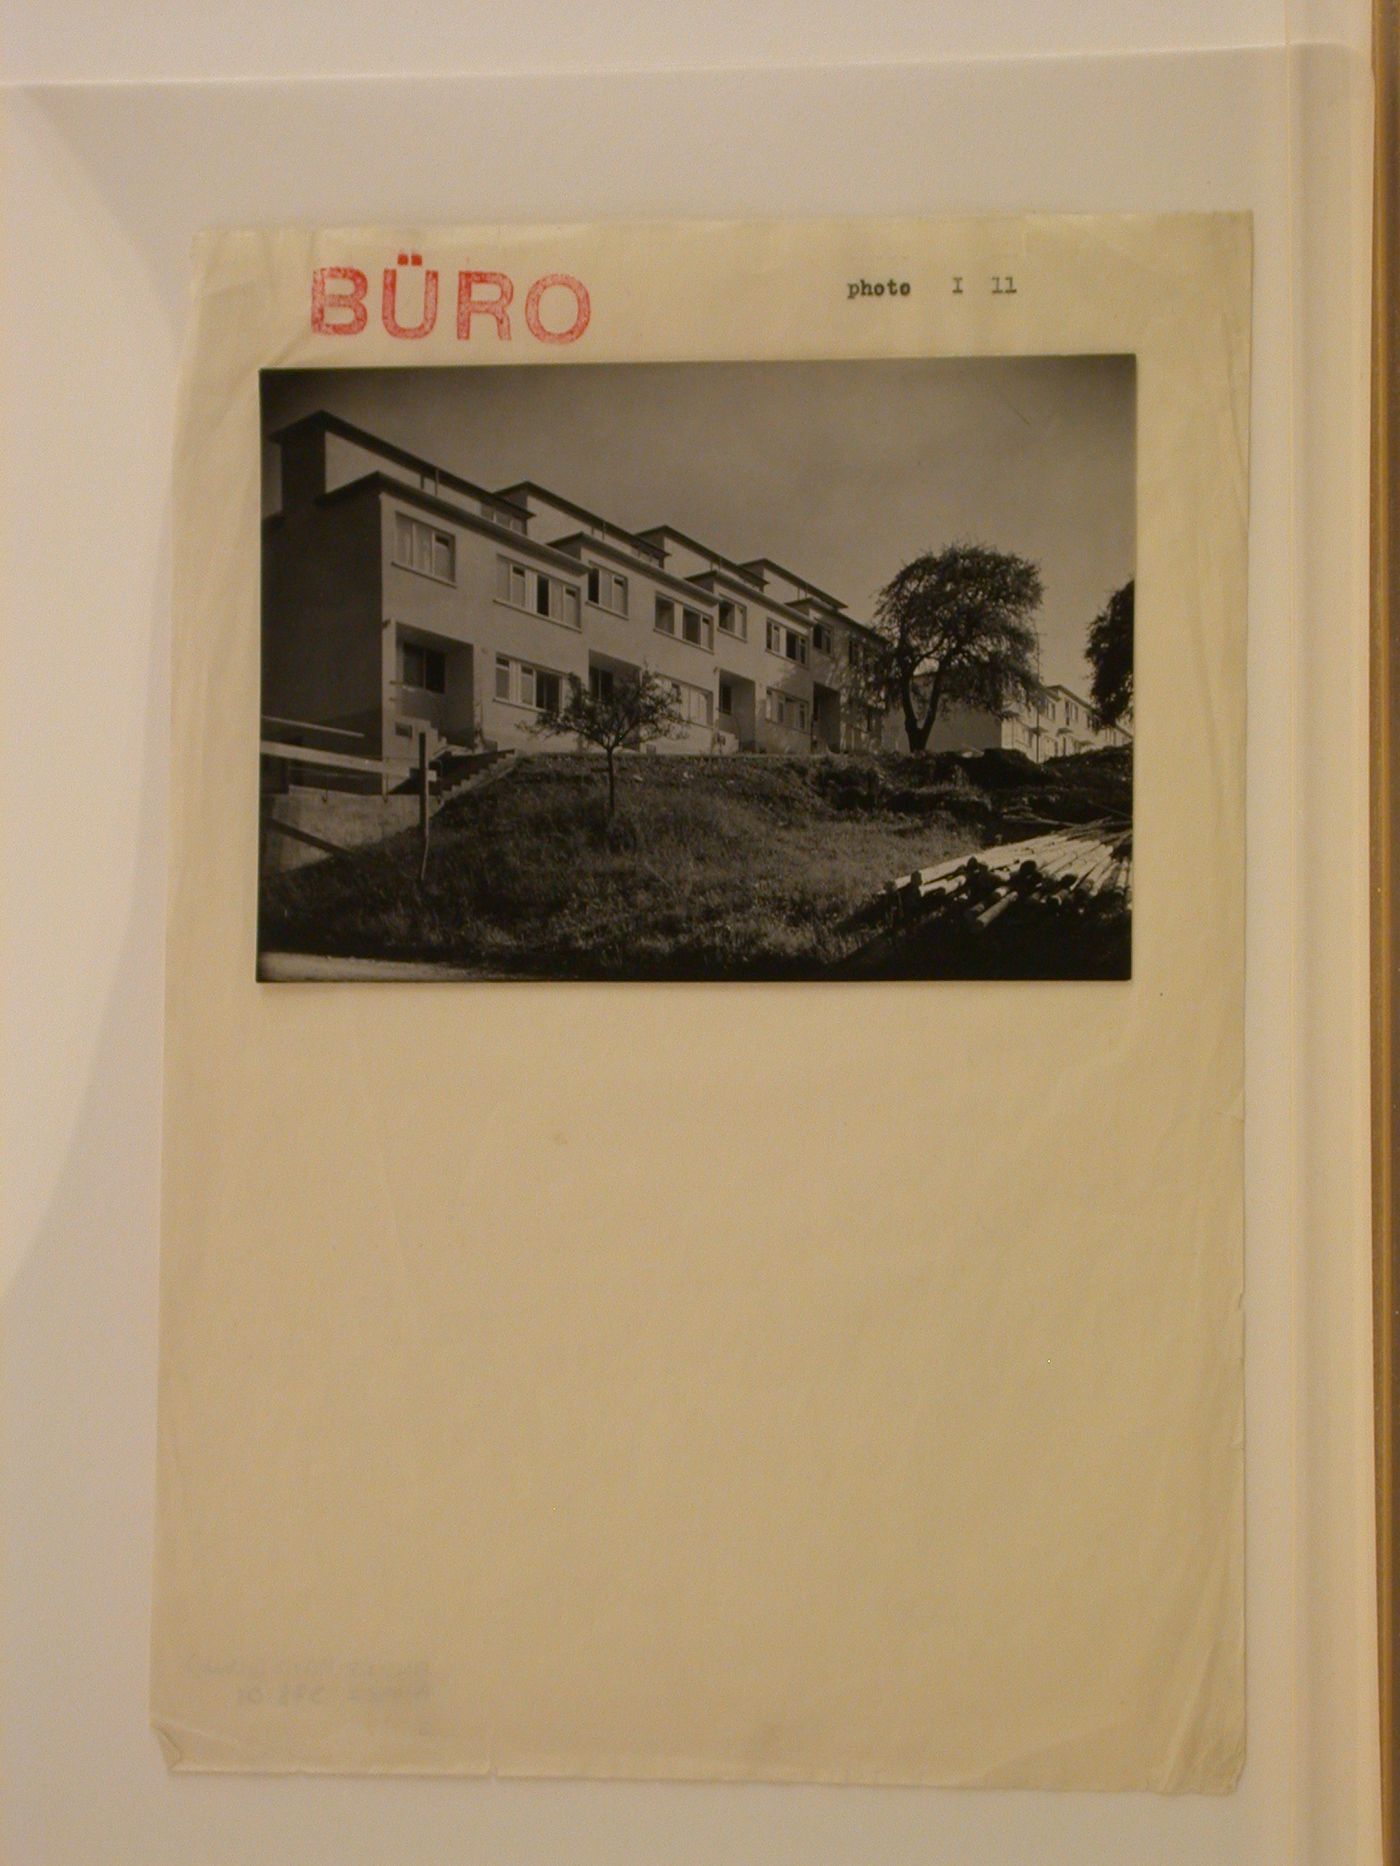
(305,755)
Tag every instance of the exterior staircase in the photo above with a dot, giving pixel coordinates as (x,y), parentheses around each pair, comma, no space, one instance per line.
(458,771)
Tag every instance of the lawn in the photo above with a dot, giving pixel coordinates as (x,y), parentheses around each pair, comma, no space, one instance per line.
(736,867)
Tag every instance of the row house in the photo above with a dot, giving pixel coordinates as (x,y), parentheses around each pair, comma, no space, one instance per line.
(404,603)
(1059,724)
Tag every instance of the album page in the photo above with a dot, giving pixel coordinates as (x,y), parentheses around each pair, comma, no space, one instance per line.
(702,1216)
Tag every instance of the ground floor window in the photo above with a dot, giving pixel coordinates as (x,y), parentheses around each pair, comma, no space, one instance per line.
(726,697)
(782,710)
(422,667)
(696,703)
(602,684)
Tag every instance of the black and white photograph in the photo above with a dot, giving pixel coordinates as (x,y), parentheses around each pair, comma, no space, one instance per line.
(698,671)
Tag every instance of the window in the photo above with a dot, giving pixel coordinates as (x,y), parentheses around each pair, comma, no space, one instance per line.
(512,583)
(424,548)
(602,684)
(734,619)
(697,628)
(823,640)
(780,710)
(696,704)
(422,667)
(665,615)
(790,643)
(607,590)
(523,685)
(726,698)
(530,589)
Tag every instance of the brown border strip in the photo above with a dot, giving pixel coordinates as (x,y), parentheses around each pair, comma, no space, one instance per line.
(1385,875)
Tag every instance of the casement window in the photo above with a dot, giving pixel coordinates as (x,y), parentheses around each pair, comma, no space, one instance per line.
(607,590)
(424,548)
(782,710)
(790,643)
(523,588)
(823,640)
(726,699)
(696,703)
(665,615)
(425,668)
(734,620)
(697,628)
(538,688)
(602,684)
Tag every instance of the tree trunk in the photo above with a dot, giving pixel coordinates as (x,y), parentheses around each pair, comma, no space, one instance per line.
(917,730)
(916,734)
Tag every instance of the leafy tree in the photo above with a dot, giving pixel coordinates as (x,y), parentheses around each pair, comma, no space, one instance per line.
(1110,652)
(630,710)
(958,630)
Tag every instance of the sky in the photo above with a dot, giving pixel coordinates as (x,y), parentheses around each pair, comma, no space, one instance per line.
(840,471)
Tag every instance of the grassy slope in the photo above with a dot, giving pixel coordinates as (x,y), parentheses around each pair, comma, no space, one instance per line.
(743,866)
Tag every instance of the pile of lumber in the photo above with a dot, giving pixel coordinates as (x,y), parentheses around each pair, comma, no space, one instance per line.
(1064,870)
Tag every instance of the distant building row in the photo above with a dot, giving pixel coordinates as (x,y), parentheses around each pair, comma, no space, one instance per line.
(400,600)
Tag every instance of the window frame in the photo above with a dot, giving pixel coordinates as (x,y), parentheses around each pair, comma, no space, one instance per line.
(613,591)
(435,535)
(429,658)
(704,636)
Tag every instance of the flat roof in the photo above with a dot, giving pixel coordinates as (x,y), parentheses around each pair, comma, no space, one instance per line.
(1055,686)
(759,564)
(684,586)
(517,541)
(335,424)
(534,489)
(749,580)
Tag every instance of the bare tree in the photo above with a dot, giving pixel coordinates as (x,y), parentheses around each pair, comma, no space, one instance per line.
(629,711)
(957,630)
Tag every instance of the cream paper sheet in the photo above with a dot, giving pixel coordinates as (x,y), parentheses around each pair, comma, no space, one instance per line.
(548,1390)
